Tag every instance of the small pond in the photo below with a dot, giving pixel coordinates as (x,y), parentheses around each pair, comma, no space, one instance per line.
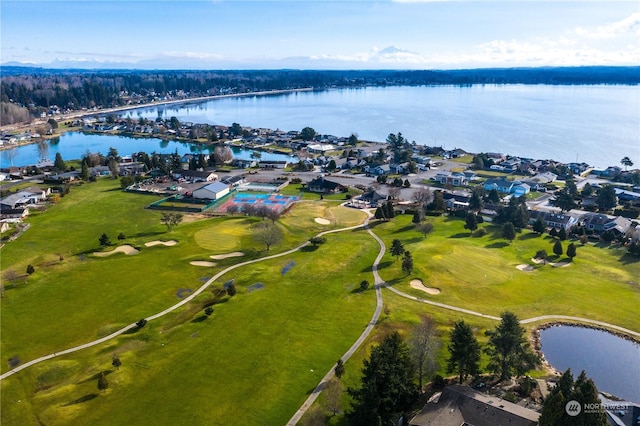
(611,361)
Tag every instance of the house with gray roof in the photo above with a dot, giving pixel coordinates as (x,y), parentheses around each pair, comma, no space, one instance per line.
(460,405)
(553,219)
(599,223)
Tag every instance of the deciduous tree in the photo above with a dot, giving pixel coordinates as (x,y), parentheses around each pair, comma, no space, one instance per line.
(333,395)
(339,369)
(424,228)
(171,219)
(268,234)
(424,346)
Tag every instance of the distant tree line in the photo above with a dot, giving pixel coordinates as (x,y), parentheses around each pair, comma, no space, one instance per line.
(38,89)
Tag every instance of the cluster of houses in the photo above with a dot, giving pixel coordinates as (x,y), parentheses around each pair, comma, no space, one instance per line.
(14,208)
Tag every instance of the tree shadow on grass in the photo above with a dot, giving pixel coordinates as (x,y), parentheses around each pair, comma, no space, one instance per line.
(95,376)
(628,258)
(528,236)
(147,234)
(382,265)
(82,399)
(459,235)
(498,245)
(199,319)
(309,249)
(414,240)
(404,229)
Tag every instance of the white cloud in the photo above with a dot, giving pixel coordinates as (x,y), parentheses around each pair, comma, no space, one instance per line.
(192,55)
(626,26)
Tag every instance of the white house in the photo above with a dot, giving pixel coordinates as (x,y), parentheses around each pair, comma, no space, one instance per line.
(212,191)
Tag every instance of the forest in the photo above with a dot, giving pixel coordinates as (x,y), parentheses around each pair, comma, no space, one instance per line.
(27,92)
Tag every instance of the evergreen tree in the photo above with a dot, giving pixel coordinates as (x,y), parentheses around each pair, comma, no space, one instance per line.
(538,226)
(508,348)
(116,361)
(583,391)
(571,251)
(557,248)
(508,231)
(389,210)
(472,222)
(103,383)
(418,217)
(397,248)
(464,352)
(59,163)
(30,269)
(607,198)
(475,202)
(387,388)
(379,214)
(104,240)
(562,234)
(339,369)
(407,262)
(84,172)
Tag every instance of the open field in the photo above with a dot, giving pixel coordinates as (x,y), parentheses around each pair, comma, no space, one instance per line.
(260,353)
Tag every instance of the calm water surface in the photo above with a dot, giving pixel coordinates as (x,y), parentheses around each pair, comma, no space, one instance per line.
(595,124)
(612,362)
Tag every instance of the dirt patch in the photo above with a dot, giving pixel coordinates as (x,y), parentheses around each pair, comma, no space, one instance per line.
(322,221)
(537,261)
(525,268)
(225,256)
(418,285)
(205,263)
(161,243)
(126,249)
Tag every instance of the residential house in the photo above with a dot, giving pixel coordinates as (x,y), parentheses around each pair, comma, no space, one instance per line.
(212,191)
(324,186)
(514,187)
(234,181)
(320,148)
(456,201)
(544,178)
(13,215)
(372,198)
(195,175)
(511,165)
(380,170)
(624,195)
(400,169)
(553,219)
(599,223)
(273,164)
(460,405)
(451,178)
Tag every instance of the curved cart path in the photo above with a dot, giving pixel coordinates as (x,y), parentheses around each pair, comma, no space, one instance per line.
(171,308)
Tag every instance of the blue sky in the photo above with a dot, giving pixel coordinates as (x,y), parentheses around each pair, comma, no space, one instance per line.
(320,34)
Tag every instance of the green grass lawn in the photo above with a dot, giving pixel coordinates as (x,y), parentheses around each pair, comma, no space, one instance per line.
(261,352)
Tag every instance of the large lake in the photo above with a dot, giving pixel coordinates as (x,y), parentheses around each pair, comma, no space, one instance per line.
(612,362)
(595,124)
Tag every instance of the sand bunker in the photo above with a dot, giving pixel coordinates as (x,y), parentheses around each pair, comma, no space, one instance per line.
(417,284)
(126,249)
(224,256)
(525,267)
(560,264)
(322,221)
(202,263)
(161,243)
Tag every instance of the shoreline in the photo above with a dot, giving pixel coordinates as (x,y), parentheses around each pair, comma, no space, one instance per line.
(82,113)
